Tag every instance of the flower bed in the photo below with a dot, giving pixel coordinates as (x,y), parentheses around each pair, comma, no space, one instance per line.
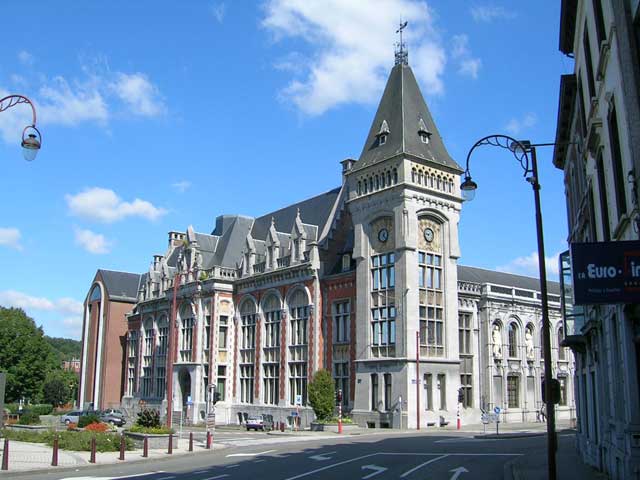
(77,441)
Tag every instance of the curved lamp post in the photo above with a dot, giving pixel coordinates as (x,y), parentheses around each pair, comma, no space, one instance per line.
(525,153)
(31,138)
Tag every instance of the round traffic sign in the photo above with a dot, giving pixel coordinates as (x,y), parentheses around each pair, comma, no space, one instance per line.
(496,410)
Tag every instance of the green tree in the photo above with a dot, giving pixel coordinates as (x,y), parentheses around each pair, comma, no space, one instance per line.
(56,391)
(322,394)
(24,355)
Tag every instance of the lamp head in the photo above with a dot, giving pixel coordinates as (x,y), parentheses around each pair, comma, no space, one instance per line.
(468,189)
(31,143)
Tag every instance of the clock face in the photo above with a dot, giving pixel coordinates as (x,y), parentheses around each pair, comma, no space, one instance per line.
(383,235)
(428,235)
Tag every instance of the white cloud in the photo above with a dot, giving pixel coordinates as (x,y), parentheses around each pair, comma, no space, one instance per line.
(25,57)
(489,13)
(92,242)
(218,10)
(61,104)
(528,265)
(13,298)
(517,125)
(104,205)
(467,65)
(353,48)
(182,186)
(139,94)
(10,237)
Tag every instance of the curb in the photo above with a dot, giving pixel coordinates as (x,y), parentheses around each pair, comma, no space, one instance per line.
(508,436)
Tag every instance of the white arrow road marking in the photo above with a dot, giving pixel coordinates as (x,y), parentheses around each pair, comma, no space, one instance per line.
(457,472)
(375,468)
(250,454)
(409,472)
(322,456)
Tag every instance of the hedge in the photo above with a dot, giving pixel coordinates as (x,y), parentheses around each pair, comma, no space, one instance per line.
(76,441)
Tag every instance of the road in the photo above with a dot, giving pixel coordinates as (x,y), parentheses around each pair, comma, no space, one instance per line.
(379,456)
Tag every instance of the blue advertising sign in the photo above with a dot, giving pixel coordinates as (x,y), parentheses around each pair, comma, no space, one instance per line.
(606,272)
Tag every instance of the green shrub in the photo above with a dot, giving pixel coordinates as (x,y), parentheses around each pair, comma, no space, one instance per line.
(322,394)
(81,441)
(148,418)
(29,418)
(30,436)
(42,408)
(151,430)
(12,407)
(88,419)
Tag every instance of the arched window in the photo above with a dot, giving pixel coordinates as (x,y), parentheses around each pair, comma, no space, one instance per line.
(247,349)
(96,294)
(395,176)
(420,177)
(271,351)
(432,180)
(359,187)
(147,352)
(366,186)
(413,175)
(186,332)
(371,184)
(561,349)
(513,340)
(388,177)
(162,328)
(377,182)
(298,341)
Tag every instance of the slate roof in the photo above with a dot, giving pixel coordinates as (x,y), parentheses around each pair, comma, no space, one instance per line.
(402,106)
(121,286)
(313,211)
(480,275)
(232,230)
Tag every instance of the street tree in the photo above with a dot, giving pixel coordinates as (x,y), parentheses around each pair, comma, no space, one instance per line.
(322,394)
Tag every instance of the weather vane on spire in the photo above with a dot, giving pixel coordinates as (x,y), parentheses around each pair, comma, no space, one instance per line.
(402,56)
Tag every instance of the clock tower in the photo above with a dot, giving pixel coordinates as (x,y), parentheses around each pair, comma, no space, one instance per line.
(404,199)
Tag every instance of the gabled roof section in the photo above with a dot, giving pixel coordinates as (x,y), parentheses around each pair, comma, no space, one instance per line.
(313,211)
(480,275)
(121,286)
(403,109)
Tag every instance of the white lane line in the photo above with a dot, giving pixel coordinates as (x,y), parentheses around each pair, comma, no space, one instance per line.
(452,454)
(235,465)
(258,461)
(218,476)
(201,471)
(162,478)
(250,454)
(409,472)
(306,474)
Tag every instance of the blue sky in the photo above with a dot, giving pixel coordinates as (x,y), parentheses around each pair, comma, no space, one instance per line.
(160,114)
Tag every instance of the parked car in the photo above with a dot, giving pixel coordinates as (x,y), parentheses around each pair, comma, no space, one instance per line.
(114,420)
(259,422)
(113,411)
(73,417)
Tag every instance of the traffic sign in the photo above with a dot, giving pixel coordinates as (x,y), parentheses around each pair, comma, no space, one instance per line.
(298,399)
(496,410)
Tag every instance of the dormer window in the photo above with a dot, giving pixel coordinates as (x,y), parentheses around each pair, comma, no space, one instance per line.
(424,137)
(382,133)
(423,132)
(346,262)
(383,139)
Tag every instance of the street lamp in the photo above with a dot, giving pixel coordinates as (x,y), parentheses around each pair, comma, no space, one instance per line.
(521,151)
(31,138)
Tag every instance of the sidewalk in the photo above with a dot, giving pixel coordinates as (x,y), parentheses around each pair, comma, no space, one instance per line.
(533,466)
(24,457)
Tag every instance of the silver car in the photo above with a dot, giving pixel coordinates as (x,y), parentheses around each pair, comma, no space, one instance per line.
(72,417)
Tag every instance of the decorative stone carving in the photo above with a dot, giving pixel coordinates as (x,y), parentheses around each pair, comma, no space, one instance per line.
(377,244)
(496,338)
(435,245)
(528,341)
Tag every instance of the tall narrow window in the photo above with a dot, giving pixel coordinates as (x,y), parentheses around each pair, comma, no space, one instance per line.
(428,386)
(223,325)
(602,190)
(442,387)
(561,350)
(222,382)
(131,362)
(598,17)
(387,392)
(161,356)
(341,377)
(186,333)
(298,346)
(374,392)
(563,391)
(618,169)
(513,340)
(431,308)
(586,46)
(583,107)
(383,313)
(271,351)
(513,391)
(341,317)
(147,358)
(247,350)
(207,334)
(464,333)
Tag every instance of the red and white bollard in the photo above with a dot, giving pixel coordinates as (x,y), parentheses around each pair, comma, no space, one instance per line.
(209,440)
(459,424)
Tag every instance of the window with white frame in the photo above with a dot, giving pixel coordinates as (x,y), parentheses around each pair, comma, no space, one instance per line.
(223,326)
(513,340)
(161,356)
(298,345)
(186,333)
(341,321)
(464,333)
(222,382)
(131,362)
(160,381)
(247,350)
(442,387)
(346,262)
(428,386)
(466,381)
(163,336)
(431,307)
(383,272)
(383,326)
(147,358)
(271,351)
(207,332)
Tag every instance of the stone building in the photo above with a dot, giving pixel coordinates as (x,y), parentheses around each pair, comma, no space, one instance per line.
(598,148)
(362,280)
